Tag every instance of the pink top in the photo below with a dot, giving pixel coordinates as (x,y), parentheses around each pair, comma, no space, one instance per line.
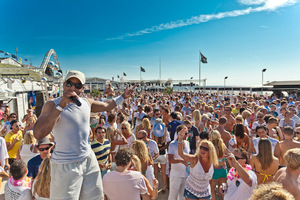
(126,186)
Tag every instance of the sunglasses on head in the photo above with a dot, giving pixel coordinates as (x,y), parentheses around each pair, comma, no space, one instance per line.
(204,148)
(70,84)
(43,149)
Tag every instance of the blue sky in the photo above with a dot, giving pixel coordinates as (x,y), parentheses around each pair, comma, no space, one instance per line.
(106,38)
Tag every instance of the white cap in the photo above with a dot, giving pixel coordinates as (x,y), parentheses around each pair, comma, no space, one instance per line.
(76,74)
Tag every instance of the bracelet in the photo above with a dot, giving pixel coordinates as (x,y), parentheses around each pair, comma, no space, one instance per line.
(180,142)
(119,100)
(59,108)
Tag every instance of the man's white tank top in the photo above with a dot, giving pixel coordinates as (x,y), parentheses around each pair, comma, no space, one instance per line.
(71,133)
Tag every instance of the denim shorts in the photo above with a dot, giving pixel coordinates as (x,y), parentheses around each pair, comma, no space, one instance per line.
(189,195)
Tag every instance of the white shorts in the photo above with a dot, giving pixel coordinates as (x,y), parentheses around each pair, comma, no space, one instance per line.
(78,180)
(162,159)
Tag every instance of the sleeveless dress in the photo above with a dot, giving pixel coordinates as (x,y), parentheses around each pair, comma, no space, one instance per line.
(197,182)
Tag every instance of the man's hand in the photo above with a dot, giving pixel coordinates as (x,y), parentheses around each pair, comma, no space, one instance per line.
(128,92)
(66,98)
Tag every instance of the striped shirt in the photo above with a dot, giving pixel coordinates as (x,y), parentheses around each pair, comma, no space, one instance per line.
(101,150)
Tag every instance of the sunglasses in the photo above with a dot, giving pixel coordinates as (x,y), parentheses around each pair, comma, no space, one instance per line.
(43,149)
(227,110)
(237,158)
(260,116)
(70,84)
(101,132)
(297,132)
(123,128)
(204,148)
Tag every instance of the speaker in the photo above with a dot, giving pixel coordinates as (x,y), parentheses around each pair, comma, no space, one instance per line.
(39,103)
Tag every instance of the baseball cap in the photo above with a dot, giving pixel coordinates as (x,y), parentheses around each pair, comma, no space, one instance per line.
(76,74)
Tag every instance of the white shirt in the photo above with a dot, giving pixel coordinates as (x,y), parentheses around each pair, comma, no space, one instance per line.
(243,191)
(152,147)
(16,192)
(178,169)
(3,151)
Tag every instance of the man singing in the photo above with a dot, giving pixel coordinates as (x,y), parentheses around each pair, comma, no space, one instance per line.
(75,173)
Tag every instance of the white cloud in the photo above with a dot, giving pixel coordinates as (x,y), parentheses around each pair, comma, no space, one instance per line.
(264,5)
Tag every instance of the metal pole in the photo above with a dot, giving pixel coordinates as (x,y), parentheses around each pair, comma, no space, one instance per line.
(199,68)
(262,80)
(159,68)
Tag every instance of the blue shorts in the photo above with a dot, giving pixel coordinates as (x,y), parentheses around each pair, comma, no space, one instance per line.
(189,195)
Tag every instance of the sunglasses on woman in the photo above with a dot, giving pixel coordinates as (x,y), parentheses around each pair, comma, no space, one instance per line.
(70,84)
(204,148)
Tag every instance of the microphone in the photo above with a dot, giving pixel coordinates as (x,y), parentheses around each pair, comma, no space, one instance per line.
(77,102)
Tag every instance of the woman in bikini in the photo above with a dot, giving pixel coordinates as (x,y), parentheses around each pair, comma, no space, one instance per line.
(220,171)
(241,137)
(204,125)
(264,163)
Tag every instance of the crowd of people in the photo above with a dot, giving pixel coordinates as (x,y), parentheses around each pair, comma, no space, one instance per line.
(115,146)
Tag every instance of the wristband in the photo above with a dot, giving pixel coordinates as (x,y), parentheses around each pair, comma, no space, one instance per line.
(59,108)
(180,142)
(119,100)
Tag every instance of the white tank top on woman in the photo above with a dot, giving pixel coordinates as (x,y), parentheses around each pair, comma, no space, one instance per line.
(26,154)
(197,182)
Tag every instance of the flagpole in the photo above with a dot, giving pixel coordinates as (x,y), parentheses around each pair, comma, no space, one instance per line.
(140,74)
(199,68)
(159,68)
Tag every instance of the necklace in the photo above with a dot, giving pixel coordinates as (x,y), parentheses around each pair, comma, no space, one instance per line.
(232,174)
(21,182)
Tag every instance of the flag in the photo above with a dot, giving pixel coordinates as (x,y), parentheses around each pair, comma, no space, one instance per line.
(142,69)
(124,74)
(2,51)
(25,59)
(118,76)
(21,61)
(203,58)
(7,54)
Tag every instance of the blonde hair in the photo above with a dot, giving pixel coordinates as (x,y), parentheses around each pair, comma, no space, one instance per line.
(139,148)
(136,163)
(42,184)
(271,191)
(213,158)
(246,114)
(197,115)
(29,138)
(127,125)
(210,109)
(215,138)
(292,158)
(204,116)
(239,117)
(110,133)
(146,123)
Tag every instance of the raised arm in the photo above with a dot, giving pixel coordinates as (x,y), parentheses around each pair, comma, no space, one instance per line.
(46,121)
(184,156)
(97,106)
(240,170)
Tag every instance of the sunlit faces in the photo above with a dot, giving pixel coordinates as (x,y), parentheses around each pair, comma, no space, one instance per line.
(261,132)
(204,149)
